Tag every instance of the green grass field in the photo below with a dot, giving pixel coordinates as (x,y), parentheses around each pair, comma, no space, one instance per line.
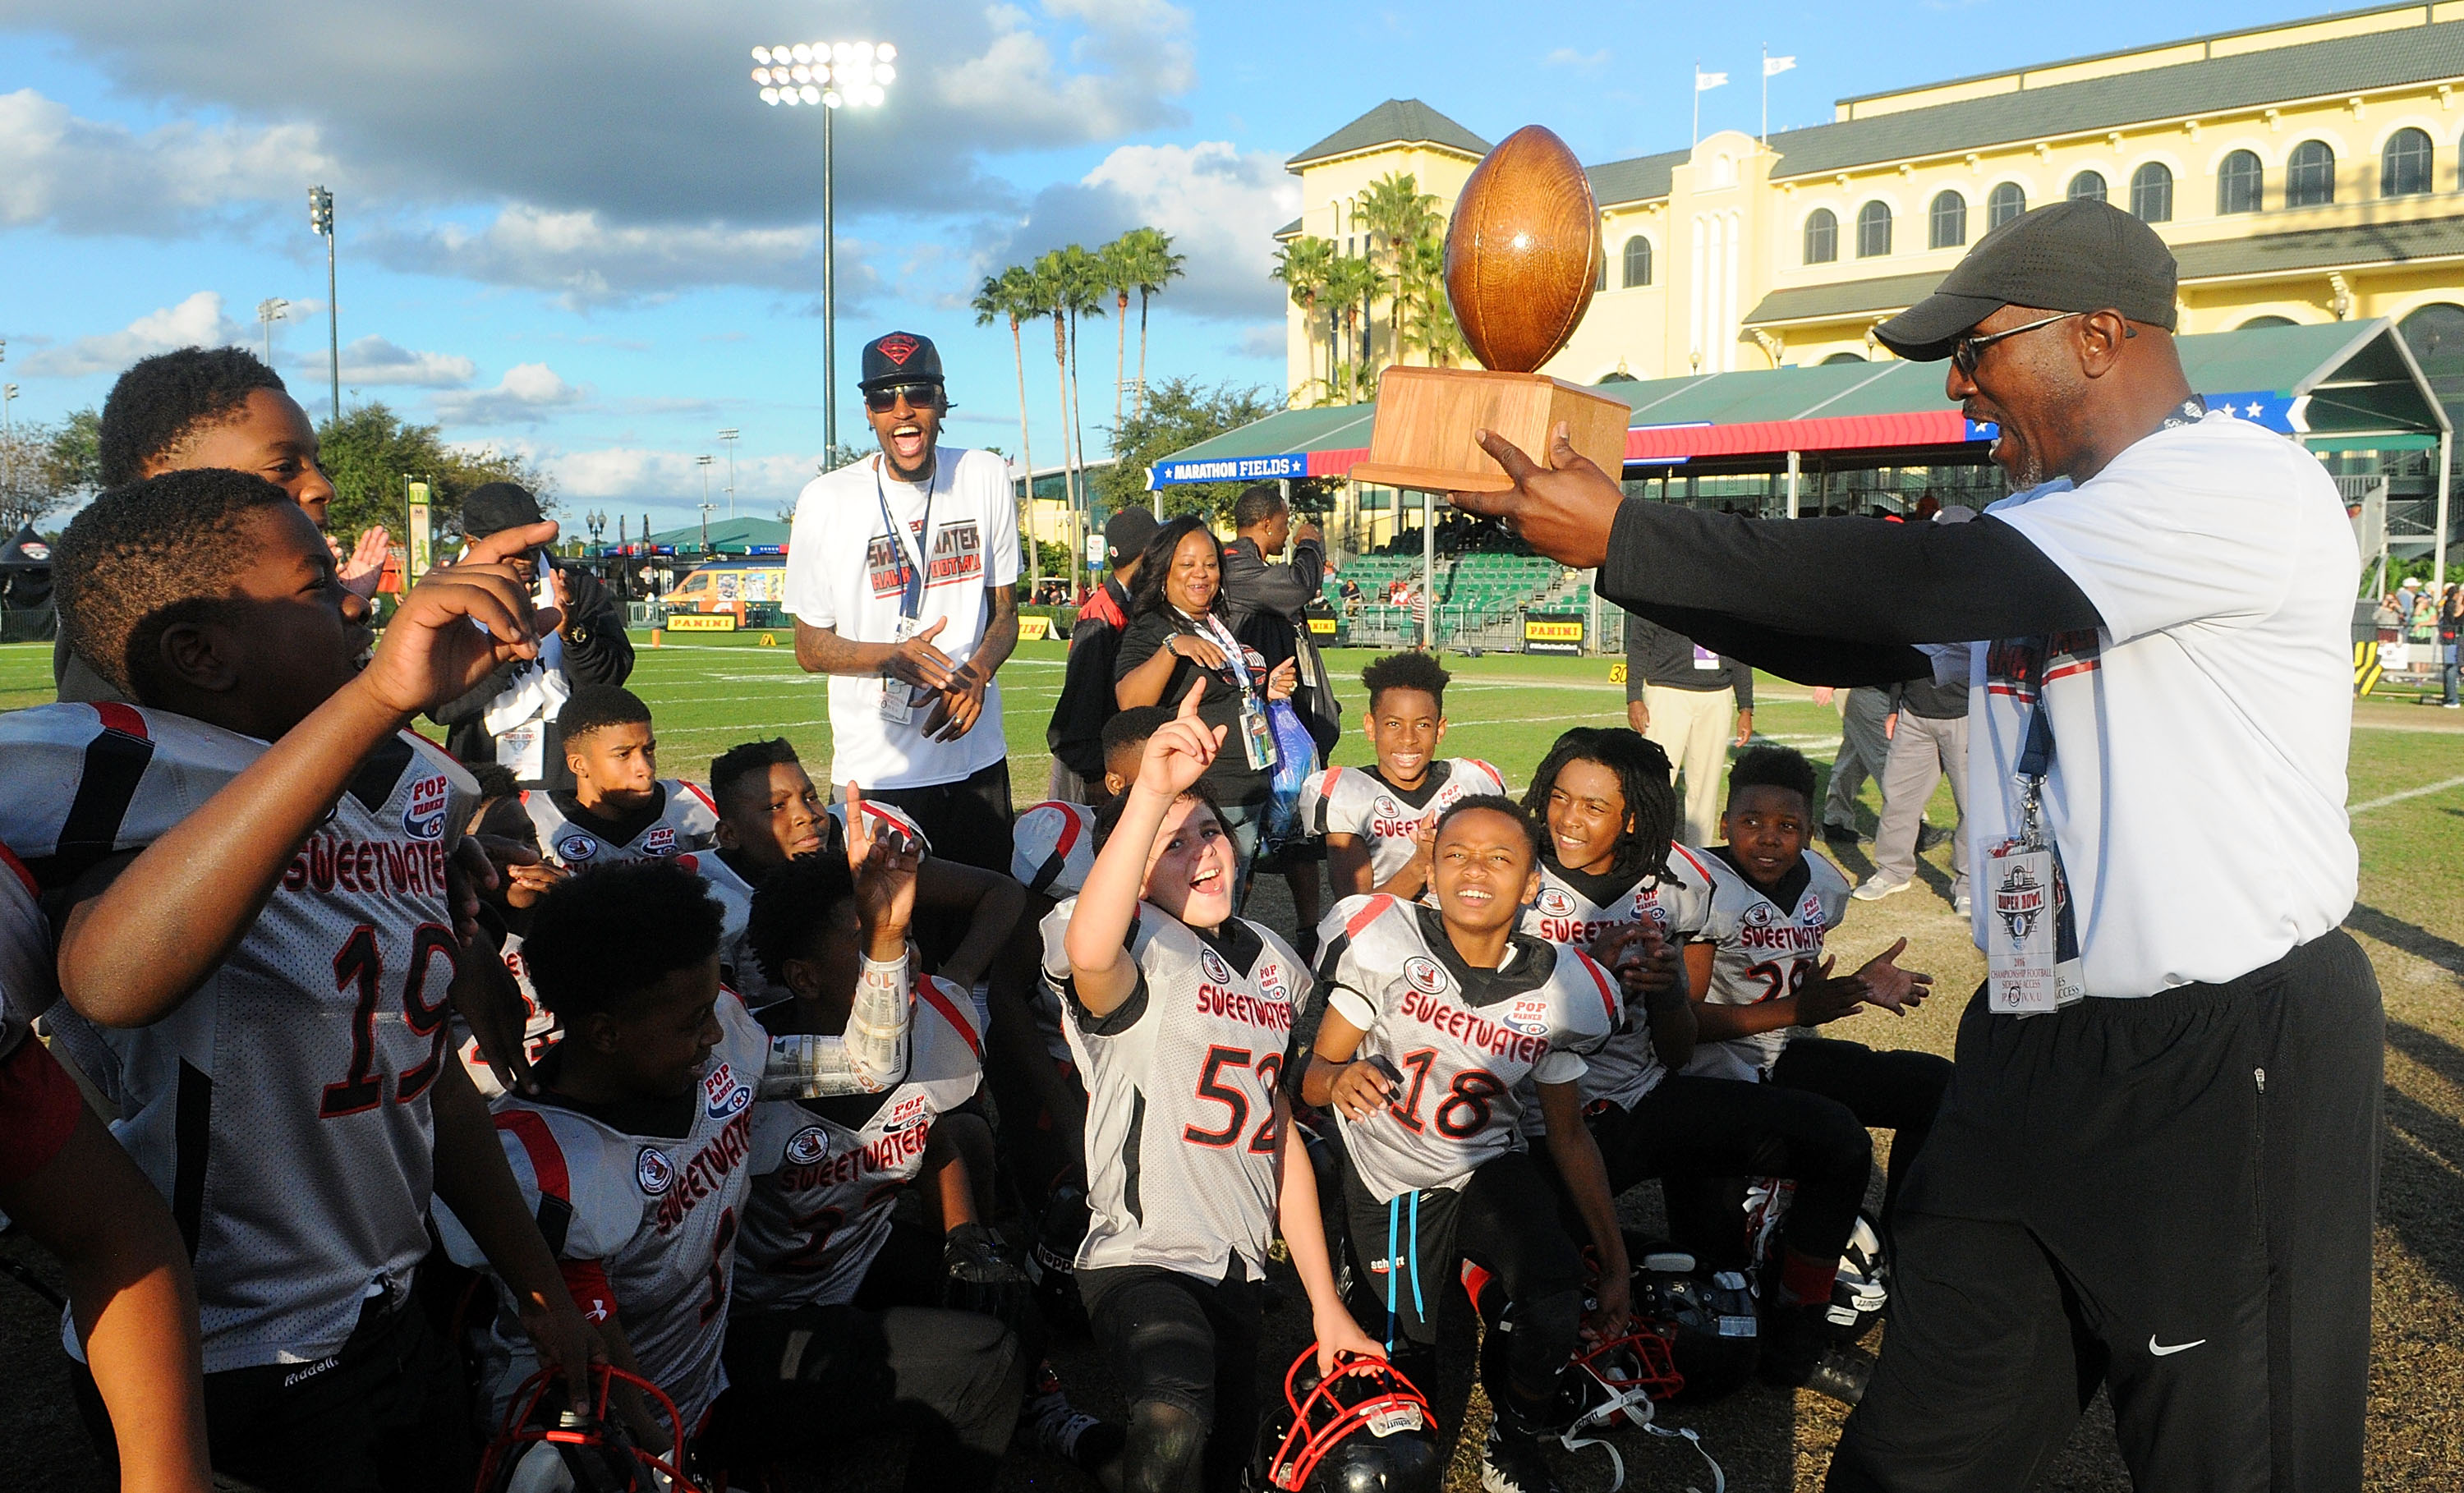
(2407,801)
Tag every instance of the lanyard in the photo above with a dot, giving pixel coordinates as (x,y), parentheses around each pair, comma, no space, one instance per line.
(1221,637)
(911,575)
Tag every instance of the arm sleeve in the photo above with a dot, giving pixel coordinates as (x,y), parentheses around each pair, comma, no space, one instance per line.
(1001,527)
(1846,579)
(467,707)
(1741,679)
(1076,730)
(1637,648)
(608,657)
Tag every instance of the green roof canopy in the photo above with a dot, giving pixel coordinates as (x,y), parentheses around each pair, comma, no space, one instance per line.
(727,536)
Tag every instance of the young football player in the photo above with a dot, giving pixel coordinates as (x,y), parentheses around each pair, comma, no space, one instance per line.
(1763,982)
(1427,1022)
(1609,872)
(271,965)
(827,1173)
(524,876)
(1178,1011)
(1377,821)
(620,808)
(770,812)
(63,1181)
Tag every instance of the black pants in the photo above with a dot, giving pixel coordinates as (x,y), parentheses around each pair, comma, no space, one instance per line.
(1188,1344)
(1886,1088)
(1691,1130)
(2172,1197)
(967,820)
(384,1415)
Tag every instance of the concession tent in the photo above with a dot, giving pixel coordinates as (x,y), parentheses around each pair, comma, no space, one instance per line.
(26,613)
(2335,387)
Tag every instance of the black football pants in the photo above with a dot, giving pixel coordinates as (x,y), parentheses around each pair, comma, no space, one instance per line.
(967,820)
(2172,1197)
(1190,1346)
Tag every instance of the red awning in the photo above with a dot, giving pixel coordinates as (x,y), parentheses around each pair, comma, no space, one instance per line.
(1845,432)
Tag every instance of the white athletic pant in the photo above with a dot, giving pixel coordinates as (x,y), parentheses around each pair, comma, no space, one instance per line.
(1694,727)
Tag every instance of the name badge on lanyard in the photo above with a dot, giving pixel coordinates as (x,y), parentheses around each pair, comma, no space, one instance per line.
(2032,958)
(1257,731)
(898,698)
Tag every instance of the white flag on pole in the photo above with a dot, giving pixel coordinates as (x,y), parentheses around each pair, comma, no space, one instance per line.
(1772,67)
(1705,82)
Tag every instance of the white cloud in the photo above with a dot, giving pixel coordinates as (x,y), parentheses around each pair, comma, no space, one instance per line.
(373,362)
(83,176)
(1266,340)
(625,473)
(1580,62)
(197,321)
(584,261)
(524,396)
(1015,85)
(1218,203)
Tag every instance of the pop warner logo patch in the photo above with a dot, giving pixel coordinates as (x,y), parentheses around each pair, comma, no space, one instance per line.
(577,846)
(1270,981)
(660,841)
(808,1146)
(910,1113)
(1810,911)
(725,1096)
(423,818)
(1212,963)
(1528,1014)
(1555,901)
(655,1171)
(1424,974)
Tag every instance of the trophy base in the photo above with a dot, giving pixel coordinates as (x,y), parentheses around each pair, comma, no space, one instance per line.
(1422,441)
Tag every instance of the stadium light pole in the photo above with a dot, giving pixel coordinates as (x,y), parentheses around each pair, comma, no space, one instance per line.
(321,221)
(834,75)
(703,462)
(729,435)
(9,436)
(269,311)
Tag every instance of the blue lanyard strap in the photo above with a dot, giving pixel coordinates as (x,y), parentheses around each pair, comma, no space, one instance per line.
(910,573)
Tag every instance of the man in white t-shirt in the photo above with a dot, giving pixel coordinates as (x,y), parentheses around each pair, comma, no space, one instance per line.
(901,576)
(2155,1165)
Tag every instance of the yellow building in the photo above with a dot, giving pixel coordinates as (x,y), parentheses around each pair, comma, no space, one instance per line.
(2306,173)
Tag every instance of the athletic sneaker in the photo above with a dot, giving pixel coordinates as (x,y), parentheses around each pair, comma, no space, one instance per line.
(1931,835)
(1799,1352)
(1874,889)
(1061,1429)
(1515,1464)
(1960,906)
(1839,833)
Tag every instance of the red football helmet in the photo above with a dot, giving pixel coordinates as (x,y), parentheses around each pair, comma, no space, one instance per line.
(1364,1428)
(583,1449)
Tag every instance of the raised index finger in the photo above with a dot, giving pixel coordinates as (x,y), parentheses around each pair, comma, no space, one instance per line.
(1189,702)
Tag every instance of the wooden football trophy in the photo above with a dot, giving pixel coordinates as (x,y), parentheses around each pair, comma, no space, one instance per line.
(1523,255)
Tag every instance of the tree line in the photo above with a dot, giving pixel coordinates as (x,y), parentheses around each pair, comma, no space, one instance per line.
(1404,266)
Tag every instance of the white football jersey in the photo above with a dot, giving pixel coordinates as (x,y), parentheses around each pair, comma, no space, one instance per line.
(1677,902)
(1764,950)
(282,1111)
(1052,847)
(686,820)
(1181,1083)
(28,966)
(1463,1040)
(739,965)
(1355,801)
(822,1190)
(540,1030)
(656,1216)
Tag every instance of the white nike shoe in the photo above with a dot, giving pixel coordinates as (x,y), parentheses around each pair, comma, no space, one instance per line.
(1874,889)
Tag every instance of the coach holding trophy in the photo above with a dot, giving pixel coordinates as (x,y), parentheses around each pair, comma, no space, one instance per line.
(2155,1168)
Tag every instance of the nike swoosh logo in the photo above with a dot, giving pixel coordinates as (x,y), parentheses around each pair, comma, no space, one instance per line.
(2167,1349)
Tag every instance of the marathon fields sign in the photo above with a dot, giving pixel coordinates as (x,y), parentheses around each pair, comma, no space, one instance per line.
(1229,469)
(1552,633)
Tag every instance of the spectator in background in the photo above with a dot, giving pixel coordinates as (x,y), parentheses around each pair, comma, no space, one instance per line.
(510,718)
(1352,597)
(2451,620)
(1076,732)
(1927,728)
(1864,746)
(1267,607)
(1694,703)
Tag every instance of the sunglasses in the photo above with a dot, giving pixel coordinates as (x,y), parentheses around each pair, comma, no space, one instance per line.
(918,396)
(1965,350)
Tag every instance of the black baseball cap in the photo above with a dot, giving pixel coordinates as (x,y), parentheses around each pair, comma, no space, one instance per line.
(1126,534)
(900,357)
(2064,256)
(498,505)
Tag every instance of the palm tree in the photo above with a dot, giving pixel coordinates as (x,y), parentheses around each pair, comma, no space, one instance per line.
(1011,294)
(1079,278)
(1157,267)
(1303,265)
(1394,209)
(1041,291)
(1117,272)
(1434,330)
(1350,284)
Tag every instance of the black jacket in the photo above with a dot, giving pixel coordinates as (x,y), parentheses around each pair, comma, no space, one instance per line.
(1075,733)
(1266,608)
(1656,656)
(596,651)
(1930,700)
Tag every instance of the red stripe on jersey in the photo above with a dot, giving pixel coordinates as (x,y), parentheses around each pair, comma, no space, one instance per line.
(547,1159)
(1699,870)
(695,788)
(122,719)
(25,877)
(1600,978)
(1377,905)
(1490,769)
(932,992)
(690,863)
(1070,830)
(586,1282)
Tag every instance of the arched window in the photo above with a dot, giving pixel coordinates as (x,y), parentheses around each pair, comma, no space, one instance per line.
(2255,323)
(1821,237)
(2435,334)
(1946,225)
(2152,193)
(1638,262)
(1842,358)
(2241,183)
(1601,281)
(2086,187)
(2310,175)
(1873,231)
(2004,203)
(2404,165)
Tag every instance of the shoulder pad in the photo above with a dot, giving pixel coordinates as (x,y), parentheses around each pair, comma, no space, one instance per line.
(1052,847)
(88,780)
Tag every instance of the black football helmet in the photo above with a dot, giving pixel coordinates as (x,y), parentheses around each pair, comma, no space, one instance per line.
(583,1448)
(1706,1317)
(1363,1429)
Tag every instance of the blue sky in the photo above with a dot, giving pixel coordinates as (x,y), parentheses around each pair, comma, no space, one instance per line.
(574,230)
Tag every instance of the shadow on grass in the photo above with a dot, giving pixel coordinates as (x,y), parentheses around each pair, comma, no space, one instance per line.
(2413,939)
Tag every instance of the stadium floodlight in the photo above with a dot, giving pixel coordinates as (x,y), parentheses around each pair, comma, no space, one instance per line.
(321,221)
(269,311)
(730,437)
(834,76)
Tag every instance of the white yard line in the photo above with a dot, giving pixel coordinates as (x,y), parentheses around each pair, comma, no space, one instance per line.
(2424,791)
